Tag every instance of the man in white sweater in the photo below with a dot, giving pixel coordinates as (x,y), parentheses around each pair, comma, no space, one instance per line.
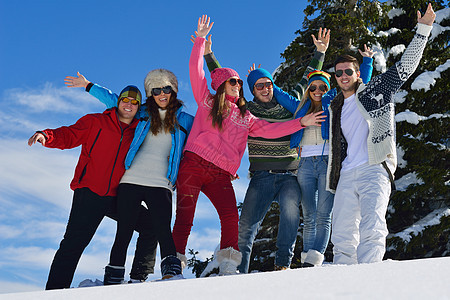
(363,151)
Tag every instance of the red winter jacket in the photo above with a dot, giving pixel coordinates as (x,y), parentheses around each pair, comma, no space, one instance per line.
(104,145)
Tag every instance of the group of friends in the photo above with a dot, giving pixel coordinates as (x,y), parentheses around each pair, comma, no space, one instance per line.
(331,151)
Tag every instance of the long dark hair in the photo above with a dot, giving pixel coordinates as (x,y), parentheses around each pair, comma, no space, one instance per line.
(170,121)
(220,107)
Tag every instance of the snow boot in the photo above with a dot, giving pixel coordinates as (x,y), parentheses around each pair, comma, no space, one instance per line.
(183,260)
(228,259)
(113,275)
(313,259)
(280,268)
(170,267)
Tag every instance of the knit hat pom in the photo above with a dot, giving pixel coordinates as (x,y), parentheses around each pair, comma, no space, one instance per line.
(255,75)
(160,78)
(220,75)
(132,92)
(319,75)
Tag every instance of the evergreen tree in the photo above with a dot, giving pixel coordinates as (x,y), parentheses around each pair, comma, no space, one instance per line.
(423,146)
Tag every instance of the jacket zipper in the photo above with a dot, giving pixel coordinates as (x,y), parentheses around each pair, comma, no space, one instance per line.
(89,155)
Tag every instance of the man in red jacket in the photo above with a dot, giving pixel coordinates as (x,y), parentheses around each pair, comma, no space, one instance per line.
(104,139)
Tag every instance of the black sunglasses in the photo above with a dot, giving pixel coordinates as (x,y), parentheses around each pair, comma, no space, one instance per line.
(165,90)
(260,86)
(233,81)
(339,73)
(321,87)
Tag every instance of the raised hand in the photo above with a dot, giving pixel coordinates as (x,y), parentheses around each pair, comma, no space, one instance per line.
(253,68)
(428,17)
(79,81)
(368,52)
(323,39)
(37,137)
(313,119)
(204,26)
(208,43)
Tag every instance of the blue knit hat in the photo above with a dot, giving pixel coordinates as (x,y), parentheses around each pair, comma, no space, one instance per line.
(319,75)
(255,75)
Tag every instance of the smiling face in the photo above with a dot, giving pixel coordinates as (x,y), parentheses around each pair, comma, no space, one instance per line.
(347,83)
(232,90)
(163,99)
(318,93)
(266,93)
(127,111)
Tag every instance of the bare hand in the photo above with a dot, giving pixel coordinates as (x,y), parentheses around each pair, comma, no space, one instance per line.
(313,119)
(428,17)
(253,68)
(37,137)
(367,52)
(323,39)
(208,43)
(234,177)
(203,26)
(79,81)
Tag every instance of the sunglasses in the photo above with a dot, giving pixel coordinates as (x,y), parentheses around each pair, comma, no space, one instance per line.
(260,86)
(165,90)
(321,87)
(234,81)
(126,100)
(339,73)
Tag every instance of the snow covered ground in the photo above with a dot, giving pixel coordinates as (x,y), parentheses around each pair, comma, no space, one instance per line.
(414,279)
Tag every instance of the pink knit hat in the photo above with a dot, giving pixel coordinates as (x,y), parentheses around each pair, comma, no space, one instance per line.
(220,75)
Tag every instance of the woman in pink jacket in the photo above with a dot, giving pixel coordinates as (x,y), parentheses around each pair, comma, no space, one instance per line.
(214,150)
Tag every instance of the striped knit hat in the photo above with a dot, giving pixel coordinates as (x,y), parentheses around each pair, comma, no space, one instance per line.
(319,75)
(132,92)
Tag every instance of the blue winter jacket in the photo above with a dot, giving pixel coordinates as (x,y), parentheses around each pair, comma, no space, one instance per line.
(179,135)
(291,103)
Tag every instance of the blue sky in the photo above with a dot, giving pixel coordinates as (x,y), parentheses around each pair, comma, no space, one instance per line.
(113,43)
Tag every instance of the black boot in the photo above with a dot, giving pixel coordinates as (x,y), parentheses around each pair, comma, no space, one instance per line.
(170,267)
(113,275)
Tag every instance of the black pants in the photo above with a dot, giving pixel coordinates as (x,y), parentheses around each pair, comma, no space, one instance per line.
(88,210)
(159,204)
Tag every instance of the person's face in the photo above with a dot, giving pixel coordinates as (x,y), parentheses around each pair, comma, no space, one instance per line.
(163,97)
(232,86)
(127,110)
(346,82)
(317,89)
(263,89)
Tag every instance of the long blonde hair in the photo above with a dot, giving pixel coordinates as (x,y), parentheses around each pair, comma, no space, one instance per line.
(312,108)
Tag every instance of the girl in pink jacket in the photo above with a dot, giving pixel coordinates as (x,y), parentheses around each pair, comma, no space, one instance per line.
(214,150)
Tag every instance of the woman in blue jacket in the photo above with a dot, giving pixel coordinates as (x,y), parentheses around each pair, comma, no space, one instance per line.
(151,167)
(313,150)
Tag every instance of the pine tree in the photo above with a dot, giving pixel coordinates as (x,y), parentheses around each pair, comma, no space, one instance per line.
(425,146)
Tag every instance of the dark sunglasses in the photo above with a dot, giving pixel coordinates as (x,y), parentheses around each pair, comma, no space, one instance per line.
(233,81)
(165,90)
(339,73)
(126,100)
(260,86)
(321,87)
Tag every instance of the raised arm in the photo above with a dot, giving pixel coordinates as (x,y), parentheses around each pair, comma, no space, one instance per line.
(322,41)
(367,64)
(196,73)
(105,96)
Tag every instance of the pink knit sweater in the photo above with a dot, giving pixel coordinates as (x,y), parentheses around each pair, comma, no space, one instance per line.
(225,147)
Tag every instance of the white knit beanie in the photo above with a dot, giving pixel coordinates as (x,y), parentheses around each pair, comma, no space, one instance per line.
(160,78)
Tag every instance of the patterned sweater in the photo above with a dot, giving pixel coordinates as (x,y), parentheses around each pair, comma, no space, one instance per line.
(376,104)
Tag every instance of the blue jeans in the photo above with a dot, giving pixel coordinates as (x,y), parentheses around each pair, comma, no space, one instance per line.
(264,188)
(317,203)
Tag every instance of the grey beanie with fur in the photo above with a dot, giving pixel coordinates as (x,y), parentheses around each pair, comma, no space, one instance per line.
(160,78)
